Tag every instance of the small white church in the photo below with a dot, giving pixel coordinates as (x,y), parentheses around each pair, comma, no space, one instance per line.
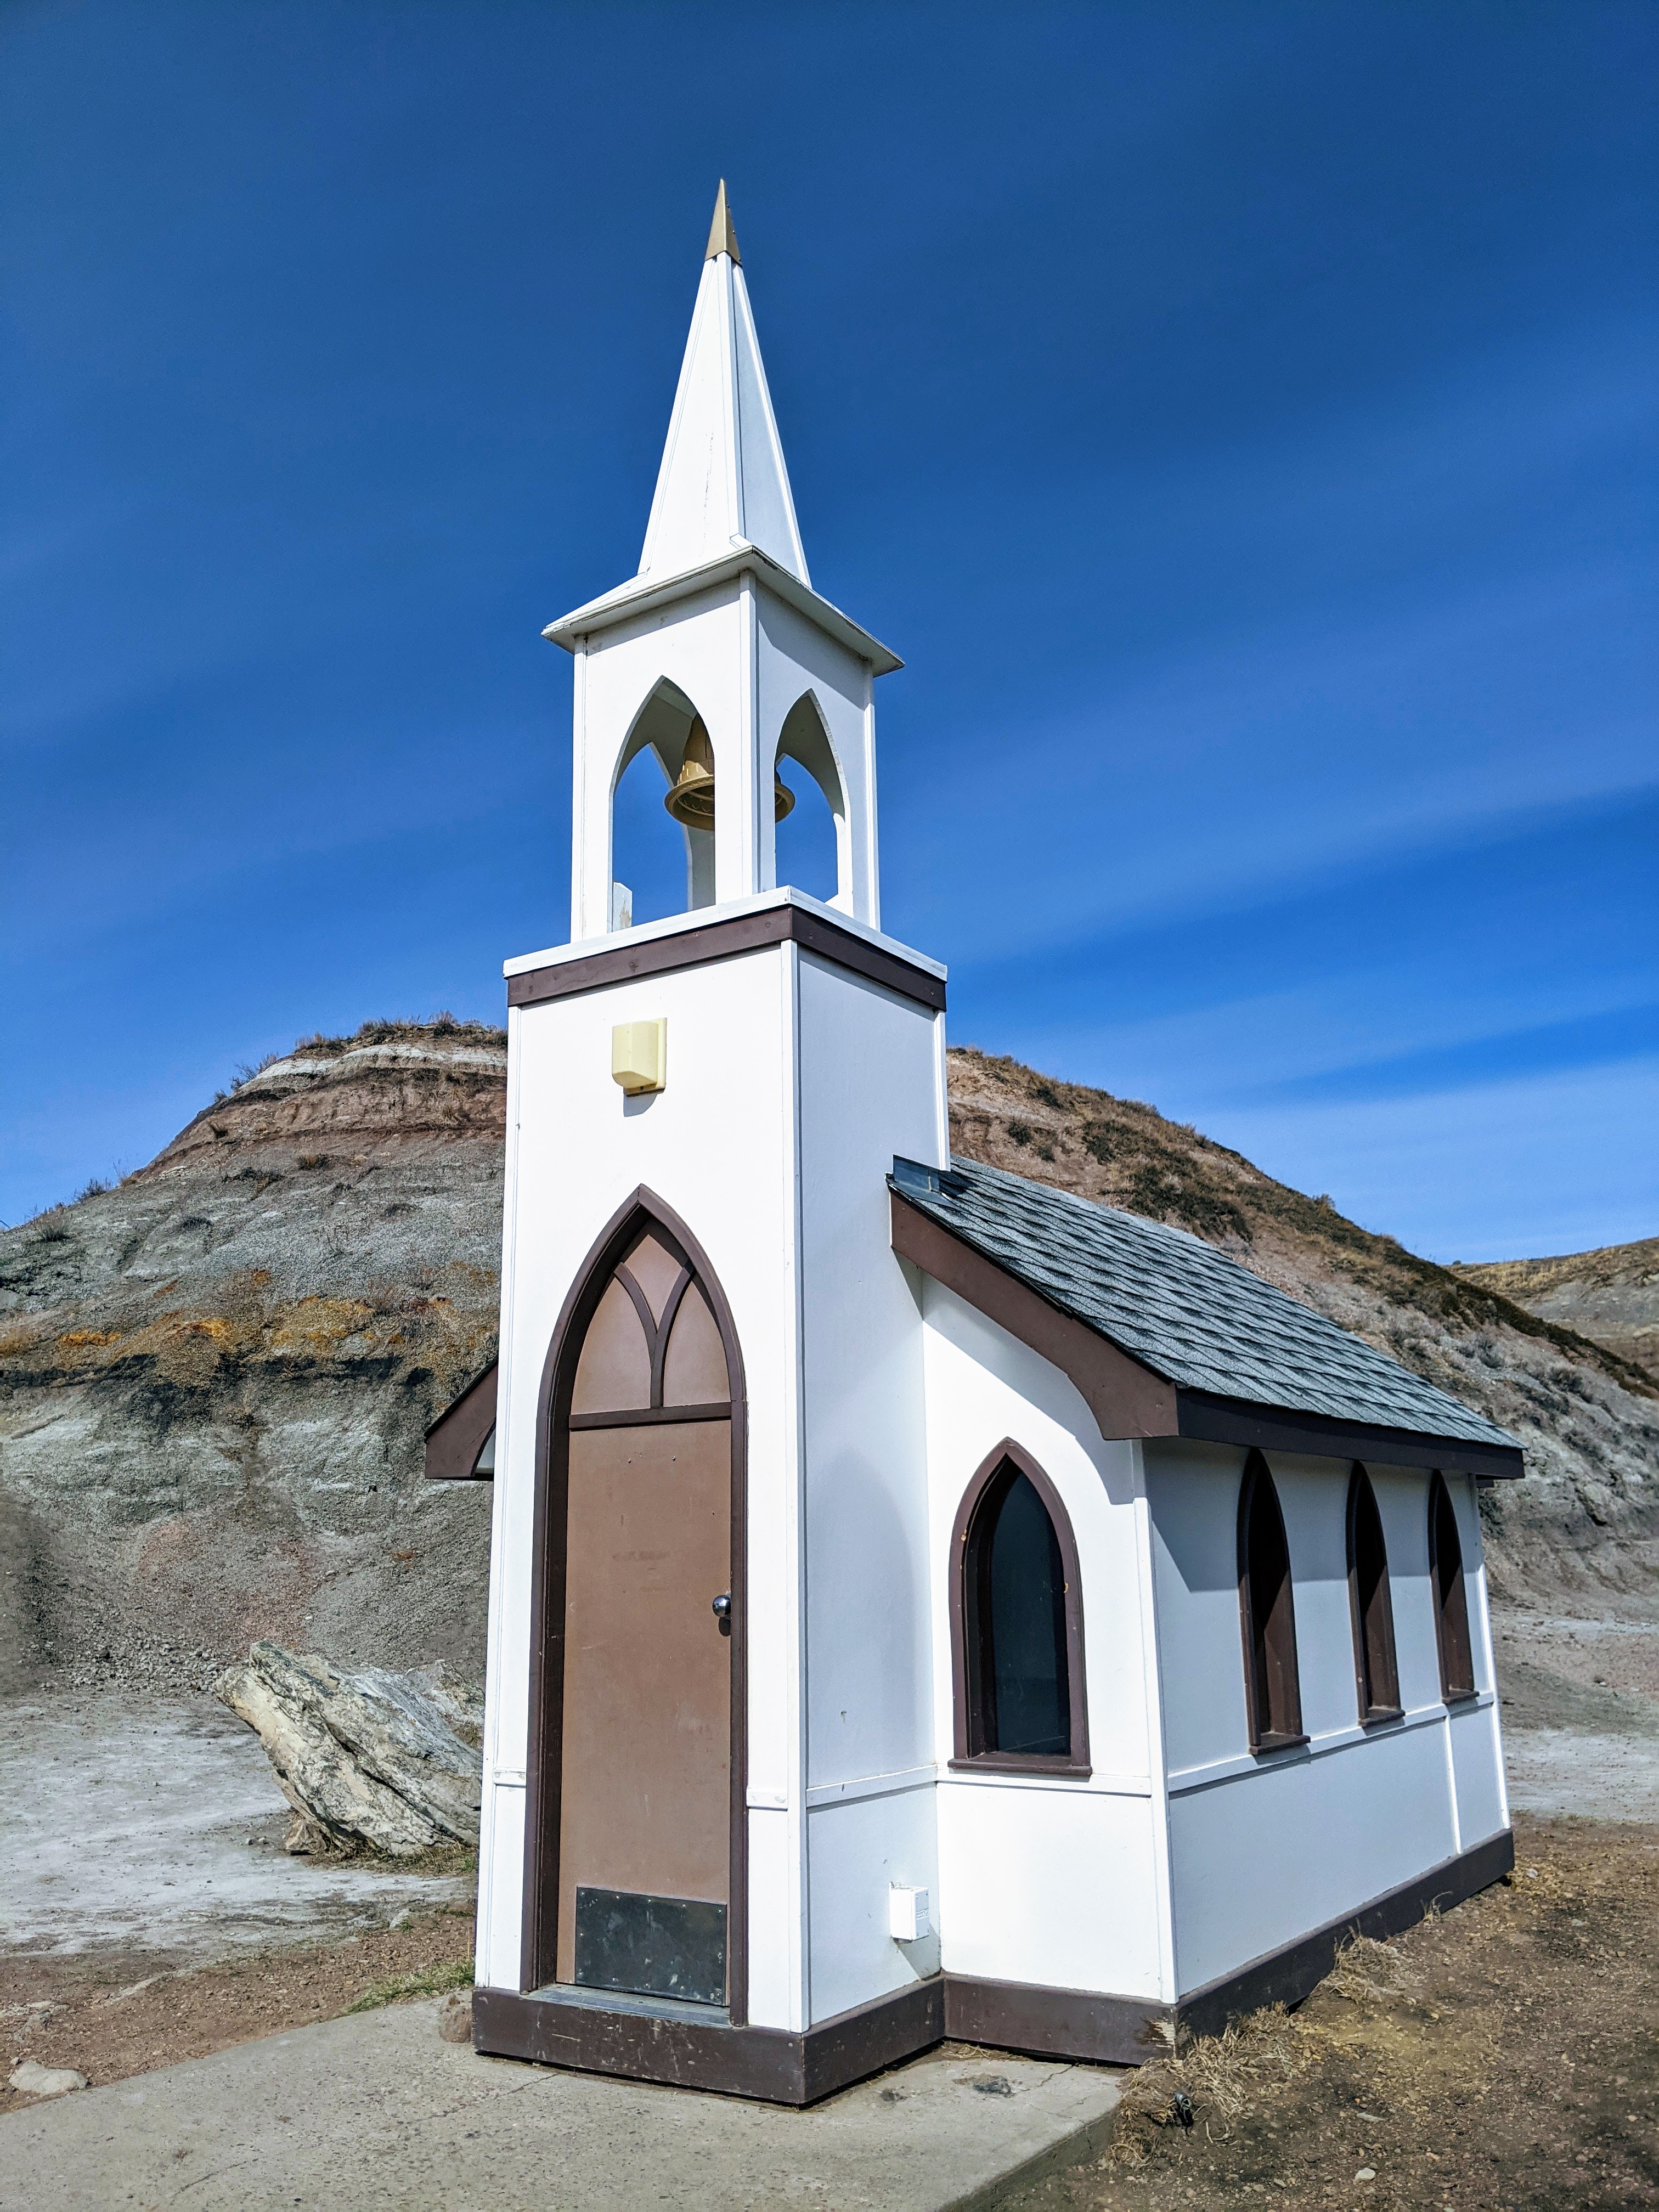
(923,1603)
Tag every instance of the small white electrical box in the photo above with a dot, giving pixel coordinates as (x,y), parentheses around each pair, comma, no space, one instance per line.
(907,1913)
(639,1056)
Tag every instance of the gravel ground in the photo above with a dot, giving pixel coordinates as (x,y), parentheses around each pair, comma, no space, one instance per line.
(142,1835)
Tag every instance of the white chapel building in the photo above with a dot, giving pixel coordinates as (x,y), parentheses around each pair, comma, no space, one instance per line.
(923,1603)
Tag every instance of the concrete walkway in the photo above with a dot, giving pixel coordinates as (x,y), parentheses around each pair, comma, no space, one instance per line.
(377,2111)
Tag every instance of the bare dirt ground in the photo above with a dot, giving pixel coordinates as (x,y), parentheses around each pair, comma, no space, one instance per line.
(1502,2058)
(74,2009)
(148,1910)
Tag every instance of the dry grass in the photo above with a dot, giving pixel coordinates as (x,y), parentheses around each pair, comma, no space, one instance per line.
(1502,2057)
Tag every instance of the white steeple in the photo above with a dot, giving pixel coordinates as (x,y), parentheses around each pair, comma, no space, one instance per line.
(723,481)
(721,627)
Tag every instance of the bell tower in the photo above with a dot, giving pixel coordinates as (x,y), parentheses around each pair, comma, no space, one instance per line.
(719,648)
(710,1704)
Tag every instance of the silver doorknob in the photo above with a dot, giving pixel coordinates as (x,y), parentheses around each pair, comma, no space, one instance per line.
(723,1606)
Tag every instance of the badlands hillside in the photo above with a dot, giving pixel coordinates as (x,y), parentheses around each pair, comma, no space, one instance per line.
(214,1379)
(1611,1296)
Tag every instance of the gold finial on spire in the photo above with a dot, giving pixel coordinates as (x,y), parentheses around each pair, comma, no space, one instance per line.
(722,239)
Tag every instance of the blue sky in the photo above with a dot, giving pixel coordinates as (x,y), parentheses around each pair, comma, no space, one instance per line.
(1241,419)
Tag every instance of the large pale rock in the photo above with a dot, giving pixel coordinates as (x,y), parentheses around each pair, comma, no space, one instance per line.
(366,1759)
(34,2079)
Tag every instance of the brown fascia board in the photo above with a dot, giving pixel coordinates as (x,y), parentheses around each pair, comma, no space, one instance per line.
(1206,1415)
(1128,1399)
(457,1437)
(720,940)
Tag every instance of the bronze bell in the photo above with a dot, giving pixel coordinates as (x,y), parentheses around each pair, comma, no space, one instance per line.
(692,798)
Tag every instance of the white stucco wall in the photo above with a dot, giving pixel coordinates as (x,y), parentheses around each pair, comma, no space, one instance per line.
(791,1085)
(1060,1882)
(870,1070)
(1263,1851)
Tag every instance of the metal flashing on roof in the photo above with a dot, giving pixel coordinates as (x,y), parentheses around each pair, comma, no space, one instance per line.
(1204,1348)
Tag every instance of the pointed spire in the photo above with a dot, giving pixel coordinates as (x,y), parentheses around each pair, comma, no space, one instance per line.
(723,480)
(722,239)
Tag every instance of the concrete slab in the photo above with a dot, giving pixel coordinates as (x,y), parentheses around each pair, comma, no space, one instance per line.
(377,2111)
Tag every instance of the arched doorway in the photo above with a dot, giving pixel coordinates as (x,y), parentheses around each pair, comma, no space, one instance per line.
(634,1865)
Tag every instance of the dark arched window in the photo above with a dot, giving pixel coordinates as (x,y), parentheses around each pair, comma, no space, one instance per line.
(1376,1677)
(1272,1694)
(1017,1623)
(1451,1604)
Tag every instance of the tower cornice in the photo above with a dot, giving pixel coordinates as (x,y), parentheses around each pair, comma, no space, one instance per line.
(644,594)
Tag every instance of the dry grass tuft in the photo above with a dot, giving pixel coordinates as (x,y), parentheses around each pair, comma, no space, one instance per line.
(1369,1973)
(1211,2084)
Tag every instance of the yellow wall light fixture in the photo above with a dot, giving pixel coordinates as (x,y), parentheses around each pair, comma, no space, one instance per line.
(639,1056)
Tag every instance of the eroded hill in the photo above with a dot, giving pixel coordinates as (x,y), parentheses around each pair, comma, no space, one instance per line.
(1611,1296)
(214,1379)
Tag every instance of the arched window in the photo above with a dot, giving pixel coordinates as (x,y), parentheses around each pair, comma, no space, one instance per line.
(813,847)
(1273,1694)
(1017,1623)
(1376,1677)
(1451,1604)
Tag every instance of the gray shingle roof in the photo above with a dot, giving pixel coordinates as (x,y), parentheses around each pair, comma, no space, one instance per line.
(1179,1306)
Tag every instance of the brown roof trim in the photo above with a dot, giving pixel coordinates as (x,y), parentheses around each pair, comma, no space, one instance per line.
(720,940)
(1129,1400)
(1275,1428)
(459,1433)
(1126,1399)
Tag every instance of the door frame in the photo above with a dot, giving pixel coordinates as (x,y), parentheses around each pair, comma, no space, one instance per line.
(542,1765)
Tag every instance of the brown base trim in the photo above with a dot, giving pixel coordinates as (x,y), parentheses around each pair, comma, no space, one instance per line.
(1054,2023)
(624,962)
(1286,1976)
(785,2069)
(765,2063)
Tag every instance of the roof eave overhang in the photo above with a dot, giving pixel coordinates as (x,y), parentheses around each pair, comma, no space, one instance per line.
(643,595)
(460,1432)
(1130,1399)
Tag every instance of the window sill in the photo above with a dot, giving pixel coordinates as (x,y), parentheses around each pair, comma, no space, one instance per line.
(1265,1745)
(1010,1762)
(1382,1716)
(1461,1697)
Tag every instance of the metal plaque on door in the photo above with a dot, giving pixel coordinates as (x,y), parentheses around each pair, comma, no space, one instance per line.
(661,1946)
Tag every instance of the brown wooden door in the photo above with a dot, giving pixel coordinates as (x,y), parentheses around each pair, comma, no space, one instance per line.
(645,1752)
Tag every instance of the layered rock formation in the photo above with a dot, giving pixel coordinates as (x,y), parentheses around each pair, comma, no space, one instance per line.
(368,1759)
(214,1380)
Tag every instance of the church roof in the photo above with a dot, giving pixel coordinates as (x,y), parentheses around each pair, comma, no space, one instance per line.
(1180,1309)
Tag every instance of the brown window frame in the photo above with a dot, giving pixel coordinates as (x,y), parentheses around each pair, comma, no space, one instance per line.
(967,1659)
(1453,1639)
(1376,1664)
(1278,1639)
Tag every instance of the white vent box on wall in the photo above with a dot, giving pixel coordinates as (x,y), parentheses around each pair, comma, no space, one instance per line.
(907,1913)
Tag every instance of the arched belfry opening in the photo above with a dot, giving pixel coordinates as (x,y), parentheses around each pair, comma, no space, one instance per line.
(812,847)
(635,1852)
(660,866)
